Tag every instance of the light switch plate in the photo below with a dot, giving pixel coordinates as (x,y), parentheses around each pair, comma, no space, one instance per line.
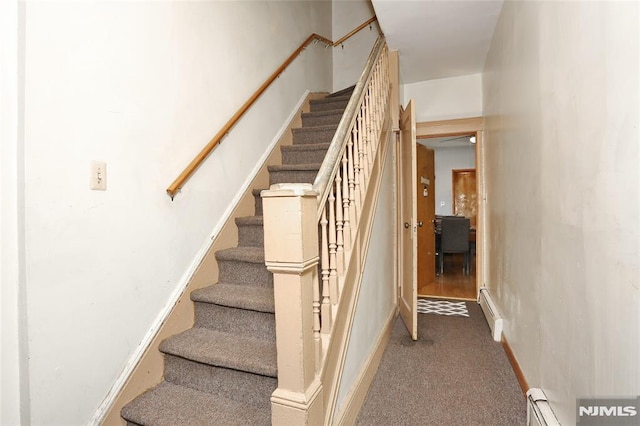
(98,175)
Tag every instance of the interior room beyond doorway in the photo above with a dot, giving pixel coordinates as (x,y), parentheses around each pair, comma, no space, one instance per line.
(455,195)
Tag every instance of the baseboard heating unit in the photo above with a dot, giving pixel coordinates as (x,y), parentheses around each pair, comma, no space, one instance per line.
(491,314)
(539,412)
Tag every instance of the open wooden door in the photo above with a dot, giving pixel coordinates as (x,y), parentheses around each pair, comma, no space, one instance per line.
(426,201)
(408,244)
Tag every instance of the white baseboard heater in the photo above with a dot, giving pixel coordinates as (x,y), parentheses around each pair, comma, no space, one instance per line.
(539,412)
(491,314)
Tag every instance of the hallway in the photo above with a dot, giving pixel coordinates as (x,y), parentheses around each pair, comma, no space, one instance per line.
(454,374)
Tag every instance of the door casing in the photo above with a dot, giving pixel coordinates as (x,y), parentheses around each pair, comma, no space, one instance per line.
(460,127)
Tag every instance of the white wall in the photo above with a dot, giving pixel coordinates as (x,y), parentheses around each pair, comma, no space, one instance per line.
(447,159)
(376,299)
(445,98)
(349,62)
(142,86)
(561,105)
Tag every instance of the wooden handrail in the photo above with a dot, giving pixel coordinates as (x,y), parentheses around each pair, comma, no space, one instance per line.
(177,184)
(354,31)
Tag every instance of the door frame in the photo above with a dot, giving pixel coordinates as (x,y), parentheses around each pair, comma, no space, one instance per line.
(460,127)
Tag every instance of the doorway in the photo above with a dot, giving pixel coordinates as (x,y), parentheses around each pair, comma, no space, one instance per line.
(458,192)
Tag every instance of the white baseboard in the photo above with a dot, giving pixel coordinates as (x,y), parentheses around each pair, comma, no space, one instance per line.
(539,412)
(494,319)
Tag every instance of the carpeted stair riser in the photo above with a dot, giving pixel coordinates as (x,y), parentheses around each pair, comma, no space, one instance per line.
(250,231)
(259,325)
(313,135)
(253,389)
(322,118)
(301,175)
(304,154)
(329,104)
(238,271)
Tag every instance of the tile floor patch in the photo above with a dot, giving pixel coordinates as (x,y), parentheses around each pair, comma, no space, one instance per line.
(442,307)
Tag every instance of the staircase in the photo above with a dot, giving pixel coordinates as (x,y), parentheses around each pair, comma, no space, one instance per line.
(223,370)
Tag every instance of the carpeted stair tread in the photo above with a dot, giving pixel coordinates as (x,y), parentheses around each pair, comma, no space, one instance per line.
(237,296)
(320,118)
(312,153)
(330,99)
(242,254)
(337,111)
(295,167)
(314,135)
(343,92)
(306,147)
(311,129)
(326,104)
(249,220)
(228,350)
(168,405)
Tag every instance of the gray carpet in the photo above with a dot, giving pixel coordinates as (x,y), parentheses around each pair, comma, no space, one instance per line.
(454,374)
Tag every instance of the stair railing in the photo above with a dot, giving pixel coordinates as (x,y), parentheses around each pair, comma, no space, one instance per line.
(314,246)
(188,171)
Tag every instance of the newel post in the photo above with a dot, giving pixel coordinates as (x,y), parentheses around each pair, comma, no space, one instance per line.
(291,254)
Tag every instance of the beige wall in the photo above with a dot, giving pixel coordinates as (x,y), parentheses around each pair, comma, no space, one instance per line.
(561,105)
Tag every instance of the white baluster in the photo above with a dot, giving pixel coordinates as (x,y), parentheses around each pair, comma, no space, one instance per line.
(339,225)
(353,206)
(346,233)
(316,320)
(358,156)
(333,275)
(325,313)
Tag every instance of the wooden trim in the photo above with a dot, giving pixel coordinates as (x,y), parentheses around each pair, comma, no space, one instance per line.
(461,126)
(179,182)
(515,366)
(354,400)
(354,31)
(482,229)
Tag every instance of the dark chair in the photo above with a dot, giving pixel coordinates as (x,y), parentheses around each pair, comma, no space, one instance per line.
(455,239)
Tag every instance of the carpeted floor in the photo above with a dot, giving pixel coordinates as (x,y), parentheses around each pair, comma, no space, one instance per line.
(454,374)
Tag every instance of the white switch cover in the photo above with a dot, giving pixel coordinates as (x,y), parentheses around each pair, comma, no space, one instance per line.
(99,175)
(442,203)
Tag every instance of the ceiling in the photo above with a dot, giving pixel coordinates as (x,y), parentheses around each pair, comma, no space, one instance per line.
(438,39)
